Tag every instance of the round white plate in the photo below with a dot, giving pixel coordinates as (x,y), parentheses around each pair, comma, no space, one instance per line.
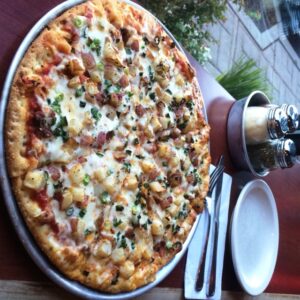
(255,237)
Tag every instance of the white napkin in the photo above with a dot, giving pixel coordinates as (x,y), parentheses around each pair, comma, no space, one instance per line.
(196,248)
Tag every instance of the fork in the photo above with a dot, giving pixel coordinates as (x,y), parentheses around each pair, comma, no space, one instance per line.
(215,175)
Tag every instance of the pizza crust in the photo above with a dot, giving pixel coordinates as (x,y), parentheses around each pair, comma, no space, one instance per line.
(69,259)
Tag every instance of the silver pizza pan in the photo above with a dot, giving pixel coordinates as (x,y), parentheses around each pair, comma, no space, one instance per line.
(15,215)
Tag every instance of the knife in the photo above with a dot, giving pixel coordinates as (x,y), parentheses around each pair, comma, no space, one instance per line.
(215,234)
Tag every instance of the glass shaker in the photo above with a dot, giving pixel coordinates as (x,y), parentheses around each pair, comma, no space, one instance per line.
(263,123)
(272,155)
(293,116)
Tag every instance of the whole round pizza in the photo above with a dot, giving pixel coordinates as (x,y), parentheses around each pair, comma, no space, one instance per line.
(107,145)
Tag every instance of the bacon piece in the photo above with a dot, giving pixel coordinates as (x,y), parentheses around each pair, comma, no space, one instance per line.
(56,60)
(58,196)
(179,112)
(45,70)
(160,108)
(100,98)
(174,179)
(194,158)
(151,147)
(54,173)
(160,248)
(135,46)
(153,174)
(64,168)
(140,110)
(88,60)
(109,135)
(164,135)
(101,139)
(40,124)
(175,133)
(166,202)
(88,13)
(125,35)
(42,198)
(83,78)
(46,216)
(73,223)
(119,156)
(86,140)
(184,66)
(71,29)
(85,201)
(81,159)
(129,233)
(115,99)
(124,81)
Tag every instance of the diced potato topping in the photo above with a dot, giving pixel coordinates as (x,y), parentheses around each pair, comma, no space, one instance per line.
(74,82)
(33,209)
(147,166)
(164,151)
(157,227)
(67,199)
(35,180)
(127,269)
(104,248)
(155,186)
(100,174)
(74,127)
(118,255)
(109,184)
(77,194)
(155,123)
(75,67)
(179,79)
(147,252)
(76,174)
(173,209)
(130,182)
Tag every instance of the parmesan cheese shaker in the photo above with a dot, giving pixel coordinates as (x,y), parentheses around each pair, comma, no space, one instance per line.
(263,123)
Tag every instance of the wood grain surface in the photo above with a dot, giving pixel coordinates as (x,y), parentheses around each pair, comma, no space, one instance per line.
(16,19)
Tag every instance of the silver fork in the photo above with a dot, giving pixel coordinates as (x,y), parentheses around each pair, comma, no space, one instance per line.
(215,175)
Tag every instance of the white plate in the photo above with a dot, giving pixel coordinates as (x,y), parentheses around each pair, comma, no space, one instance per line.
(255,237)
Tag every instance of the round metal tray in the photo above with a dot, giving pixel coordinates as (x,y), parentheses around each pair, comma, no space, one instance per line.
(16,217)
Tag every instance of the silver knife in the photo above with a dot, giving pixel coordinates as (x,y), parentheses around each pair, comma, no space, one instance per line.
(215,233)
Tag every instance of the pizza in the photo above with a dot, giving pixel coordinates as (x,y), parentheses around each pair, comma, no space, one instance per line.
(107,145)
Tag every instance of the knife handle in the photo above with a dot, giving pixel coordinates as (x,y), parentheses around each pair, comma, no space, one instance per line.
(212,276)
(201,267)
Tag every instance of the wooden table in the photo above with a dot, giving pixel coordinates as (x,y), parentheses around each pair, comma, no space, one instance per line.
(20,277)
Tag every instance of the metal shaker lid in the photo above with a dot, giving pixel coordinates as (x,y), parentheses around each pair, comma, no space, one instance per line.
(277,123)
(293,116)
(286,153)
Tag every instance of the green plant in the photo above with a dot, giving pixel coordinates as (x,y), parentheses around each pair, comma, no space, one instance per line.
(243,78)
(187,20)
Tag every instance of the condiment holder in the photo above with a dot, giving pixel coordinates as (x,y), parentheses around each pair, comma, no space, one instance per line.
(236,130)
(256,131)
